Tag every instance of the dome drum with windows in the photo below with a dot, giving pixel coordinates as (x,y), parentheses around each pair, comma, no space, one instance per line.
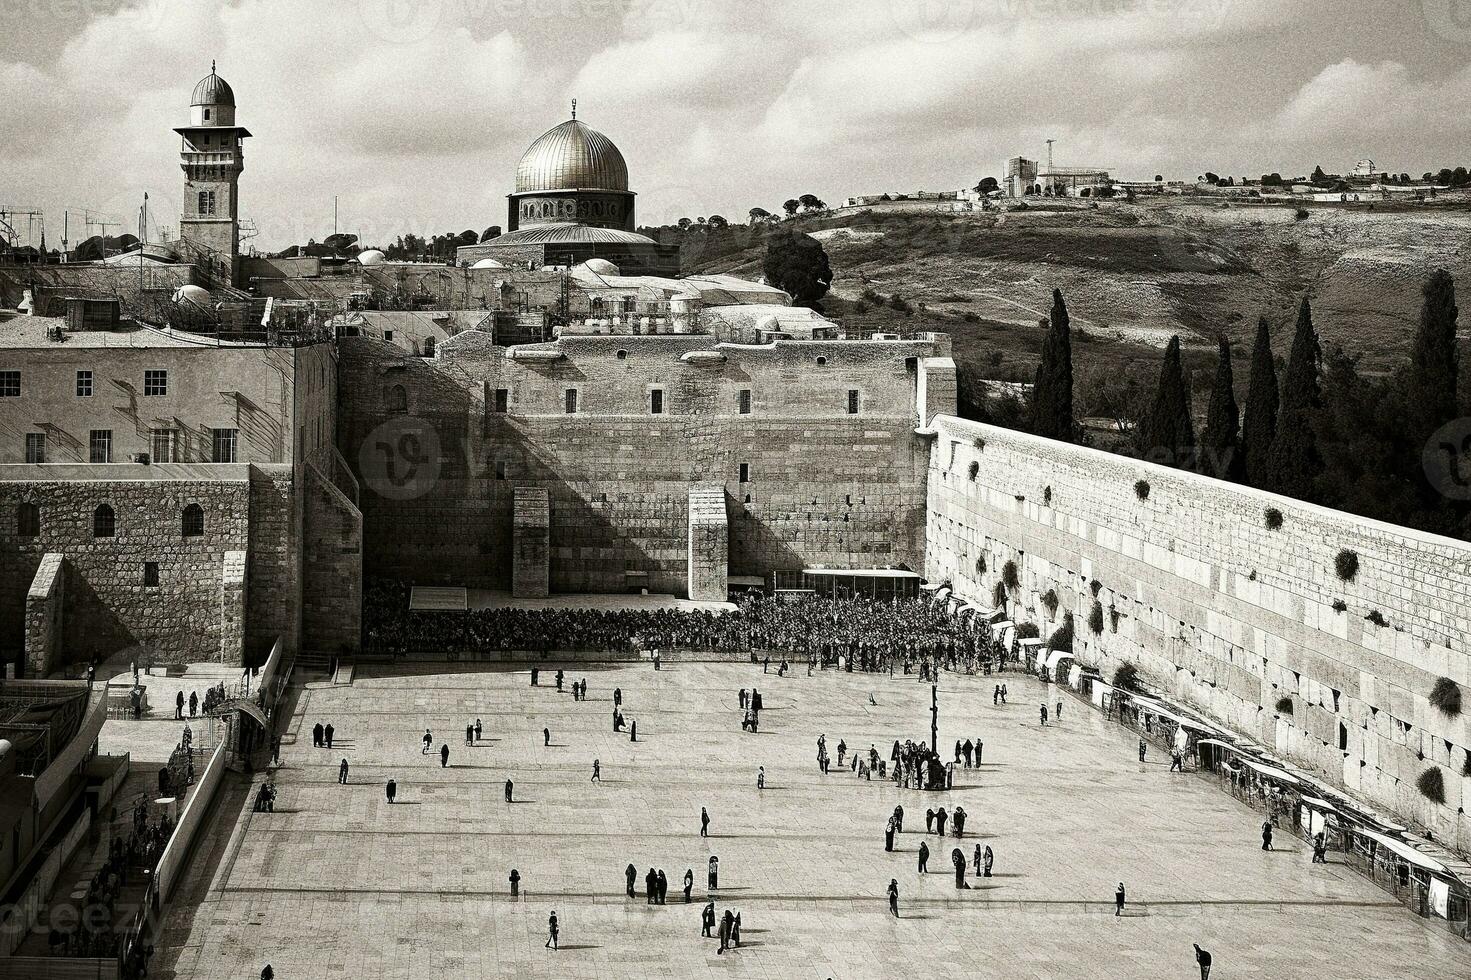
(571,174)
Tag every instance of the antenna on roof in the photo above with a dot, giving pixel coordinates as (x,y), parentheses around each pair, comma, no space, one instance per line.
(574,108)
(211,66)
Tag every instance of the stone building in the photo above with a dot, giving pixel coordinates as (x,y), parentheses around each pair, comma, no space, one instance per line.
(212,156)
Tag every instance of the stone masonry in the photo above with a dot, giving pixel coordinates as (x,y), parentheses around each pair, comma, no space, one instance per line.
(43,616)
(1249,622)
(709,545)
(532,531)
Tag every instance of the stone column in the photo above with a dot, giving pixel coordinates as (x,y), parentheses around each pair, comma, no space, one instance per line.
(43,616)
(232,609)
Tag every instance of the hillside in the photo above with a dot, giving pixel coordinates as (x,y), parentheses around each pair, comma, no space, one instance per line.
(1133,274)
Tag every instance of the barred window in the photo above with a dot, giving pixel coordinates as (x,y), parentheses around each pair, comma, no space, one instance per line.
(84,384)
(99,446)
(223,444)
(9,384)
(155,383)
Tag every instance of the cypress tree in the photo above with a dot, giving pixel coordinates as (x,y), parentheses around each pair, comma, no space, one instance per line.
(1169,437)
(1294,462)
(1052,394)
(1259,427)
(1221,449)
(1433,363)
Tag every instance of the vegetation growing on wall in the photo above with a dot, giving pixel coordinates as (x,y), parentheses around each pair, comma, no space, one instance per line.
(1347,565)
(1284,706)
(1095,618)
(1027,631)
(1141,489)
(1009,575)
(1050,600)
(1432,785)
(1446,695)
(1062,637)
(1126,677)
(1272,517)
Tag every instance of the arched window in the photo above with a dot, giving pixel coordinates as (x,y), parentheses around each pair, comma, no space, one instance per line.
(428,346)
(193,521)
(104,522)
(28,520)
(398,399)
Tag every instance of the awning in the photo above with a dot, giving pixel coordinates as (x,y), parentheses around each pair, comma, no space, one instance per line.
(1407,852)
(1318,804)
(869,573)
(1056,657)
(1277,774)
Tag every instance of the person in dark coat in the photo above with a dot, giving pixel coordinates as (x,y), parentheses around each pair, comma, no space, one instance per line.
(707,920)
(342,773)
(689,883)
(1266,835)
(704,822)
(444,755)
(391,789)
(1118,900)
(967,749)
(957,820)
(317,735)
(899,819)
(651,887)
(989,858)
(889,835)
(327,734)
(727,924)
(510,786)
(929,820)
(515,883)
(894,896)
(1203,960)
(924,858)
(940,818)
(1320,849)
(630,873)
(663,888)
(958,860)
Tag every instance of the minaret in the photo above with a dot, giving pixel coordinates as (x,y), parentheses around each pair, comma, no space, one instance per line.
(212,158)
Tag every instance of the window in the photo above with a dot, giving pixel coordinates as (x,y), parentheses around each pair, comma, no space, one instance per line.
(150,573)
(500,469)
(745,401)
(206,115)
(155,383)
(821,360)
(398,399)
(852,401)
(388,335)
(9,384)
(206,203)
(84,384)
(35,447)
(223,445)
(428,346)
(100,446)
(571,401)
(656,401)
(502,400)
(193,521)
(163,446)
(623,355)
(28,520)
(104,522)
(745,472)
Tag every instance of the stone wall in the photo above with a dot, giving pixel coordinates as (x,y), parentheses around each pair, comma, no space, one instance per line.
(332,585)
(233,592)
(1220,609)
(810,484)
(108,605)
(530,562)
(709,543)
(275,561)
(44,603)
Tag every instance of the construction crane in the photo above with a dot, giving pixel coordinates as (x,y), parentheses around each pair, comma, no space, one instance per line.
(10,215)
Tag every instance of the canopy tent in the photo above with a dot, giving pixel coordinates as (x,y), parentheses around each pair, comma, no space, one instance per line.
(1056,657)
(1407,852)
(1278,774)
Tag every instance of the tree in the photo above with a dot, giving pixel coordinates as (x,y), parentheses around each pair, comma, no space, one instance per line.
(718,221)
(1052,393)
(1434,364)
(798,264)
(684,223)
(1294,462)
(1259,426)
(493,232)
(1167,435)
(759,215)
(987,185)
(811,202)
(1319,177)
(790,206)
(1104,391)
(1220,454)
(1211,178)
(1159,178)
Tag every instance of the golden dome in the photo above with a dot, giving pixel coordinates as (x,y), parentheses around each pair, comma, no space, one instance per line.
(571,157)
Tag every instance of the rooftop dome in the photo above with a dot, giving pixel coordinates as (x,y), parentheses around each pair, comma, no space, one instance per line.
(213,90)
(571,157)
(601,266)
(488,264)
(371,257)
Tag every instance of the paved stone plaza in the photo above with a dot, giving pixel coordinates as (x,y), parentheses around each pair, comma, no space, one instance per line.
(338,883)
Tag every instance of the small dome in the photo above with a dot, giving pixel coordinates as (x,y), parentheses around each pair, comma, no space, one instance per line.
(371,257)
(601,266)
(213,90)
(571,157)
(5,747)
(193,296)
(488,264)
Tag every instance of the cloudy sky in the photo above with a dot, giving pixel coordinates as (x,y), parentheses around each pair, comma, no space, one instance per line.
(413,112)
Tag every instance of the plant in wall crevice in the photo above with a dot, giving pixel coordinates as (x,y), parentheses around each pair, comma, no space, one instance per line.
(1446,695)
(1346,564)
(1062,637)
(1126,677)
(1047,495)
(1432,785)
(1284,706)
(1272,517)
(1095,618)
(1340,606)
(1027,631)
(1010,576)
(1141,489)
(1096,587)
(1377,618)
(1113,618)
(998,595)
(1050,601)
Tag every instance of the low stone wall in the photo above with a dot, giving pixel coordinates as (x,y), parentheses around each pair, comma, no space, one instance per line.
(1251,623)
(43,616)
(176,852)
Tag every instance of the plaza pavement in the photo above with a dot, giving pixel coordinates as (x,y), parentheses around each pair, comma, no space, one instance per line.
(338,883)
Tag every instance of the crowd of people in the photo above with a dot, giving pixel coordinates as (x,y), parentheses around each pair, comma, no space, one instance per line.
(909,635)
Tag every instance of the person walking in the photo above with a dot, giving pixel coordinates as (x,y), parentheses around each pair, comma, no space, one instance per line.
(630,875)
(342,773)
(546,737)
(428,740)
(989,858)
(391,789)
(515,883)
(957,859)
(1203,960)
(889,835)
(317,740)
(1044,715)
(1143,747)
(704,823)
(924,858)
(327,734)
(597,772)
(179,706)
(444,755)
(552,931)
(1118,900)
(760,777)
(1320,849)
(1266,835)
(689,883)
(509,788)
(713,877)
(894,897)
(477,729)
(707,920)
(535,672)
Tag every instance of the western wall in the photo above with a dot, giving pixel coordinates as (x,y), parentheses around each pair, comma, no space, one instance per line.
(1219,608)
